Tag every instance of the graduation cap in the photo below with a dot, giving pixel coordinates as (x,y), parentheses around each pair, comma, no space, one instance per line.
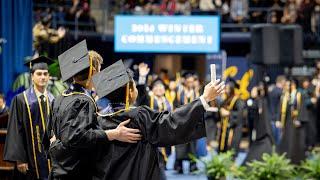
(112,78)
(40,62)
(75,60)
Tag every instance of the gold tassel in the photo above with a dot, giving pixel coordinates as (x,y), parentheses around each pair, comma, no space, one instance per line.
(127,97)
(90,71)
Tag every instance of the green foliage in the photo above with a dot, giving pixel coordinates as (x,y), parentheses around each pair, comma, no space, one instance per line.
(23,80)
(54,69)
(57,87)
(221,166)
(310,168)
(271,167)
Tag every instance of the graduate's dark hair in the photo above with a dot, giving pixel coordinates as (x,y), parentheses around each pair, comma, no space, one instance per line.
(295,81)
(119,95)
(306,79)
(41,66)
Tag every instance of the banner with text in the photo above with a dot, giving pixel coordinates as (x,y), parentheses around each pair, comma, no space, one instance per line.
(167,34)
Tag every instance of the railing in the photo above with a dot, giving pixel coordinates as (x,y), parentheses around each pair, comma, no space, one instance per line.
(104,22)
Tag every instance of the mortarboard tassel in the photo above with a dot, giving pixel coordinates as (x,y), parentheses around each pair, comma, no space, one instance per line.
(90,71)
(127,97)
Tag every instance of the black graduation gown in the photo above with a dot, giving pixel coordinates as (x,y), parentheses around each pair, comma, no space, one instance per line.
(183,150)
(143,96)
(211,119)
(293,138)
(234,128)
(4,118)
(318,120)
(309,114)
(274,103)
(126,161)
(24,139)
(75,125)
(261,139)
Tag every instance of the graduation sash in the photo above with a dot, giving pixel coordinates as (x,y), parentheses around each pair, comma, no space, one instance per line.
(156,105)
(184,99)
(225,123)
(296,106)
(284,106)
(171,97)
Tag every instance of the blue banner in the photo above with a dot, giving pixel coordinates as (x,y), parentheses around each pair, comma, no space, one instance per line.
(167,34)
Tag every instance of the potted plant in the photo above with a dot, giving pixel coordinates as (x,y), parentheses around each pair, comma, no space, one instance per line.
(310,168)
(273,166)
(220,166)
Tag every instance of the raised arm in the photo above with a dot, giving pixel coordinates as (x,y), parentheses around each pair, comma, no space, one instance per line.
(182,125)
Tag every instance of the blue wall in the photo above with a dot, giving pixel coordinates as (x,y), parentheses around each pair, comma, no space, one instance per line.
(16,29)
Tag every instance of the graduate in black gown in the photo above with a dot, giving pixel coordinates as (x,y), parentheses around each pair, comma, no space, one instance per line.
(232,120)
(261,137)
(294,120)
(310,112)
(27,123)
(125,161)
(159,102)
(76,134)
(274,107)
(155,99)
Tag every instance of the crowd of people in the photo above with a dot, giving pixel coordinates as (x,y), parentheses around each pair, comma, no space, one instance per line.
(282,115)
(68,137)
(65,13)
(303,12)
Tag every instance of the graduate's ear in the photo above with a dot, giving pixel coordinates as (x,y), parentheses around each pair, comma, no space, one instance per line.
(32,76)
(131,91)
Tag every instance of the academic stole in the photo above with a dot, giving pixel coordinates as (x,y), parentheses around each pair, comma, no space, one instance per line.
(160,108)
(171,97)
(295,109)
(37,131)
(187,99)
(225,123)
